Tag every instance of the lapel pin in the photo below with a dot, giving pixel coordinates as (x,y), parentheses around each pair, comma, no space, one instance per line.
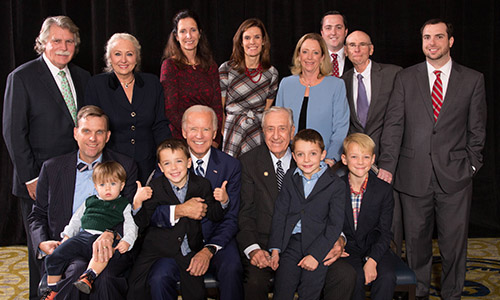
(266,174)
(215,171)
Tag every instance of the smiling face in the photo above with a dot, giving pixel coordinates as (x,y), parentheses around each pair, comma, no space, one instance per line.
(123,57)
(109,189)
(308,157)
(60,46)
(199,132)
(174,165)
(358,49)
(310,56)
(334,32)
(358,160)
(436,44)
(91,136)
(188,34)
(252,41)
(278,132)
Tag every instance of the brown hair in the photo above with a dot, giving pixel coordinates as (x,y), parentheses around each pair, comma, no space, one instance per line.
(173,144)
(449,26)
(362,140)
(325,67)
(309,135)
(91,111)
(108,170)
(173,49)
(238,55)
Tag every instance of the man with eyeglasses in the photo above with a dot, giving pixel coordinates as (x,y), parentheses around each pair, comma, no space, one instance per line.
(41,100)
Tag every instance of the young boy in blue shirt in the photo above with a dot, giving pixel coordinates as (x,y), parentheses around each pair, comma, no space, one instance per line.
(307,220)
(368,217)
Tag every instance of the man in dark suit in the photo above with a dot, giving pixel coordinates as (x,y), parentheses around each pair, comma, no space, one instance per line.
(39,113)
(334,30)
(434,132)
(369,103)
(64,184)
(220,254)
(259,190)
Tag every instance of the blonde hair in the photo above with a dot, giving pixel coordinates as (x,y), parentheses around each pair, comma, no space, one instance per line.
(111,44)
(325,66)
(362,140)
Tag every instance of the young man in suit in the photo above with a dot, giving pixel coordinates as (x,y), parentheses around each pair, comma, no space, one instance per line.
(64,184)
(369,85)
(220,252)
(41,99)
(334,30)
(367,223)
(259,190)
(434,132)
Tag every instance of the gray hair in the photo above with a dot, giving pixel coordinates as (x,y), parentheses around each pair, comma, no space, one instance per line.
(278,109)
(200,108)
(111,44)
(61,21)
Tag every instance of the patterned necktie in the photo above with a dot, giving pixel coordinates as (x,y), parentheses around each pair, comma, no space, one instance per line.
(362,103)
(82,167)
(279,174)
(437,94)
(67,95)
(199,169)
(335,65)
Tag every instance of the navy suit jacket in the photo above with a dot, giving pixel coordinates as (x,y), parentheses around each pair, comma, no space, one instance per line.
(321,213)
(53,207)
(37,124)
(138,127)
(221,167)
(373,235)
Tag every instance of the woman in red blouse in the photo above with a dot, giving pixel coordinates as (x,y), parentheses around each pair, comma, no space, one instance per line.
(189,73)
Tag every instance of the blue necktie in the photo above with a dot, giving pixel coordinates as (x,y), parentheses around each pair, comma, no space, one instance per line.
(199,169)
(362,104)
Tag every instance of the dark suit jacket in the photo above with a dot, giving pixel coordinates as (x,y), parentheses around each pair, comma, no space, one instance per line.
(55,190)
(137,128)
(259,191)
(37,124)
(166,241)
(382,82)
(373,234)
(321,213)
(413,145)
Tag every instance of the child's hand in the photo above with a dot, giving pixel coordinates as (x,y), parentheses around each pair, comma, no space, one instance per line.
(65,238)
(275,258)
(142,194)
(220,194)
(370,269)
(122,246)
(308,263)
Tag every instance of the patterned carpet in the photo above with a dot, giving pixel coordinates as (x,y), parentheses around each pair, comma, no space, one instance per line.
(482,282)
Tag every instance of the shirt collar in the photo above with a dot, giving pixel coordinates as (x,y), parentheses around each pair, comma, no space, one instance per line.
(78,160)
(53,69)
(340,53)
(446,69)
(204,158)
(367,72)
(322,168)
(176,188)
(286,157)
(363,186)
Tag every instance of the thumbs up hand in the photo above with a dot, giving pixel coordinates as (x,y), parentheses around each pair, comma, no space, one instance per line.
(220,194)
(142,194)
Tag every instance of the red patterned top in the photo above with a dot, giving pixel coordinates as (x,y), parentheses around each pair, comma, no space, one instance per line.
(185,87)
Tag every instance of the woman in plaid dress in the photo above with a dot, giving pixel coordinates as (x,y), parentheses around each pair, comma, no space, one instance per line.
(248,87)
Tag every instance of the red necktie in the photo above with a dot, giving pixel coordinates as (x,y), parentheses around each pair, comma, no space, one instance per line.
(437,94)
(335,65)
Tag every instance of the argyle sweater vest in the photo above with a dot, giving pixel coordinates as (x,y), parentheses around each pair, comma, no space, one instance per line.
(101,215)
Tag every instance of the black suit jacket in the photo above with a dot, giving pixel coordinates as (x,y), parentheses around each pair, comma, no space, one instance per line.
(259,191)
(373,235)
(413,145)
(321,213)
(382,82)
(53,207)
(138,127)
(166,241)
(37,124)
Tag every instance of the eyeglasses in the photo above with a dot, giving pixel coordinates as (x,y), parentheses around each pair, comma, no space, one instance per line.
(361,45)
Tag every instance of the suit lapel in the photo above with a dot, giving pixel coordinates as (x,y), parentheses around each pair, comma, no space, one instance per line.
(454,84)
(376,82)
(265,168)
(67,176)
(299,187)
(350,96)
(77,82)
(422,80)
(348,204)
(213,172)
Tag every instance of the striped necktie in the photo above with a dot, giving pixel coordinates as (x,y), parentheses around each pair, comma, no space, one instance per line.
(437,94)
(280,173)
(199,169)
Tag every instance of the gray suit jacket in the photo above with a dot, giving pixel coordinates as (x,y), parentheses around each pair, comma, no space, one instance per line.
(413,145)
(382,82)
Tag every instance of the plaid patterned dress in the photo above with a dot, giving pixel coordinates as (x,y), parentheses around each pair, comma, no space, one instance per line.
(245,103)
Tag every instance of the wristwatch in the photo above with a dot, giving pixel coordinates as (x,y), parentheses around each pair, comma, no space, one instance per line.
(115,234)
(211,248)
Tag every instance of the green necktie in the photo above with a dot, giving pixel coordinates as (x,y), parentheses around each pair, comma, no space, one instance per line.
(67,95)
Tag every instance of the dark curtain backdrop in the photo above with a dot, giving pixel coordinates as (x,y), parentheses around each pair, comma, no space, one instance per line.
(393,26)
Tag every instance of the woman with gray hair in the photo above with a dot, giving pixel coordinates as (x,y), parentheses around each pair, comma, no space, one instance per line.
(133,101)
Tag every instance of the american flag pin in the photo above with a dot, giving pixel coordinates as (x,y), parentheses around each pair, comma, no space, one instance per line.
(215,171)
(266,174)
